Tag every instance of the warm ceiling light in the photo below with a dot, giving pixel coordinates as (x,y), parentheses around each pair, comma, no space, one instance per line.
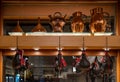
(59,48)
(106,49)
(14,48)
(36,49)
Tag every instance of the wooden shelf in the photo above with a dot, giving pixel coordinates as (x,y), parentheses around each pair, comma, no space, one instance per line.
(66,42)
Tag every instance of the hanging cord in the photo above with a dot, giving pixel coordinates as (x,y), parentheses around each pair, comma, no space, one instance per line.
(16,42)
(83,45)
(107,49)
(59,48)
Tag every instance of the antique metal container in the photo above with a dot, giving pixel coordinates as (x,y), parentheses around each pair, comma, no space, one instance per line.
(77,24)
(98,21)
(57,21)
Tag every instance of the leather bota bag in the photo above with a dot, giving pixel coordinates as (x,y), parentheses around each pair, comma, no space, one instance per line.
(95,69)
(77,24)
(107,63)
(57,21)
(84,64)
(98,21)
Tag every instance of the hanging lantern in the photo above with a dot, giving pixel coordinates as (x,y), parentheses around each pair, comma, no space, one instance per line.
(39,27)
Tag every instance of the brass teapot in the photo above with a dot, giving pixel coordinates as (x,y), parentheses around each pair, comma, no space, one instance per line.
(98,21)
(57,21)
(77,24)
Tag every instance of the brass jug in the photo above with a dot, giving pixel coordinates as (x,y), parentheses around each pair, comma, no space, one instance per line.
(98,21)
(38,27)
(77,24)
(57,21)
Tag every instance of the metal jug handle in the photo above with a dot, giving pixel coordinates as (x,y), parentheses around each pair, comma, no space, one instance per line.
(57,14)
(106,14)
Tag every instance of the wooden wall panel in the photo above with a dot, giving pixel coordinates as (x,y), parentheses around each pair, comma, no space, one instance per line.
(44,9)
(1,66)
(7,42)
(71,42)
(52,42)
(31,42)
(118,17)
(1,28)
(114,41)
(95,42)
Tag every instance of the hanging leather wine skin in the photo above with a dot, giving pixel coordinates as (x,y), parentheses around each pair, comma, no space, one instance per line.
(60,62)
(96,65)
(17,60)
(107,63)
(77,24)
(84,63)
(95,69)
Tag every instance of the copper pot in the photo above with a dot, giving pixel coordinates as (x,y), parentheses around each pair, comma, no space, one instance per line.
(77,24)
(57,21)
(98,22)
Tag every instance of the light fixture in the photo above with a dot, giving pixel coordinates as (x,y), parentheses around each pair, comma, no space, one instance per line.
(36,49)
(13,48)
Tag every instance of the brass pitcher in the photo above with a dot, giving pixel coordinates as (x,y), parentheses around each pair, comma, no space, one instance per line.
(57,21)
(98,21)
(77,24)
